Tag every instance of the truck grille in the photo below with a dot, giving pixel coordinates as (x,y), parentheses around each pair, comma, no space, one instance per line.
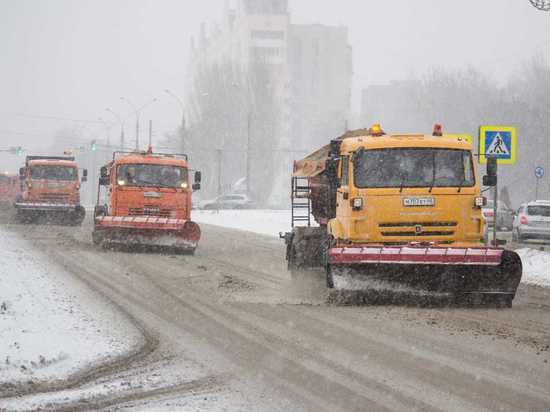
(149,211)
(418,229)
(54,197)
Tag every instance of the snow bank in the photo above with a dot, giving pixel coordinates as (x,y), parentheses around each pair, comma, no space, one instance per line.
(536,266)
(51,326)
(264,222)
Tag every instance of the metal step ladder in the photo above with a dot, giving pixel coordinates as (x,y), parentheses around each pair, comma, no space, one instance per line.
(301,201)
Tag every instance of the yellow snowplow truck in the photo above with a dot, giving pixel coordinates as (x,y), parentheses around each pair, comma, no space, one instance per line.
(394,212)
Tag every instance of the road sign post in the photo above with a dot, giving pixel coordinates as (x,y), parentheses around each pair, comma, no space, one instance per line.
(539,174)
(499,142)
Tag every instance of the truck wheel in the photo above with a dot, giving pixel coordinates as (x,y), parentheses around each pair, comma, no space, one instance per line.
(77,217)
(292,265)
(330,278)
(100,210)
(97,237)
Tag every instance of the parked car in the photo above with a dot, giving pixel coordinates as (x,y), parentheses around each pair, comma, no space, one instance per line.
(532,221)
(229,201)
(505,215)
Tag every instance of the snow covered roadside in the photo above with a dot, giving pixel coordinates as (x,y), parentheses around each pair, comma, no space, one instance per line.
(264,222)
(536,266)
(51,326)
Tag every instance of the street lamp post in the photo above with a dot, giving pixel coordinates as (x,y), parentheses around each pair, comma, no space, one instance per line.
(121,122)
(138,113)
(249,113)
(182,107)
(107,130)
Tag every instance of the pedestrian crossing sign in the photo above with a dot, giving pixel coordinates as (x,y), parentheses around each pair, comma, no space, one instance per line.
(498,141)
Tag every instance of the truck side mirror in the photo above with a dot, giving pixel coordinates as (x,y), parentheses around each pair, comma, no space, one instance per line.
(103,176)
(21,173)
(490,179)
(198,178)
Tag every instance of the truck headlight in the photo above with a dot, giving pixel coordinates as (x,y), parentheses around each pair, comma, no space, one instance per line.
(357,203)
(121,182)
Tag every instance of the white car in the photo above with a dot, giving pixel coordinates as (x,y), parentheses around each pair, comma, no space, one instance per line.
(505,215)
(230,201)
(532,221)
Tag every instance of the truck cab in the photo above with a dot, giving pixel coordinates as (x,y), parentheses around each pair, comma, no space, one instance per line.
(50,186)
(398,189)
(9,187)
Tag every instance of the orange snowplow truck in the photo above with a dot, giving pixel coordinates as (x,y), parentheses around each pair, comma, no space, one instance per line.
(148,202)
(9,187)
(50,188)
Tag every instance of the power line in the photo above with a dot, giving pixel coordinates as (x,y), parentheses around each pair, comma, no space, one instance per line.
(46,117)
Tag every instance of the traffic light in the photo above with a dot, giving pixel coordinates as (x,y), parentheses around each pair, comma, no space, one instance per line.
(19,151)
(93,146)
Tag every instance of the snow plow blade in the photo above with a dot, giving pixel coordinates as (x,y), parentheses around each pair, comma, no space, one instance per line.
(147,231)
(485,272)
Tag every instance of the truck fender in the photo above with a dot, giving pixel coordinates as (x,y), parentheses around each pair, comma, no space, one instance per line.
(335,229)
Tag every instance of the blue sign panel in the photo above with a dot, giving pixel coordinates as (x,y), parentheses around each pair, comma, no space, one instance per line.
(499,142)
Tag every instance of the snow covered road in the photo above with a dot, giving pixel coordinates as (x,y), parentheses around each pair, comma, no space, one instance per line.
(233,332)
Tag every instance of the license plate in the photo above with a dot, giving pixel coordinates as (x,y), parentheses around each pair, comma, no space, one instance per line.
(151,210)
(152,194)
(418,201)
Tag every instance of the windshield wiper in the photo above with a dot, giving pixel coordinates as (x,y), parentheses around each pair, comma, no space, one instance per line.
(432,186)
(461,184)
(403,179)
(433,176)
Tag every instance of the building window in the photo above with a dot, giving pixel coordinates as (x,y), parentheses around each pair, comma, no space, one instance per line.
(266,6)
(268,34)
(265,52)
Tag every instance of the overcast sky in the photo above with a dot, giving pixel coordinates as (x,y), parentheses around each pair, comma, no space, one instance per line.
(70,59)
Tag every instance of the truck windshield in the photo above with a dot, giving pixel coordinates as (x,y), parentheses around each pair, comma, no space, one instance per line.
(152,175)
(54,172)
(414,167)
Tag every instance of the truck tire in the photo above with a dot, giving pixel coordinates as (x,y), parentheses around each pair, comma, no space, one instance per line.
(77,217)
(97,237)
(330,278)
(100,210)
(305,249)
